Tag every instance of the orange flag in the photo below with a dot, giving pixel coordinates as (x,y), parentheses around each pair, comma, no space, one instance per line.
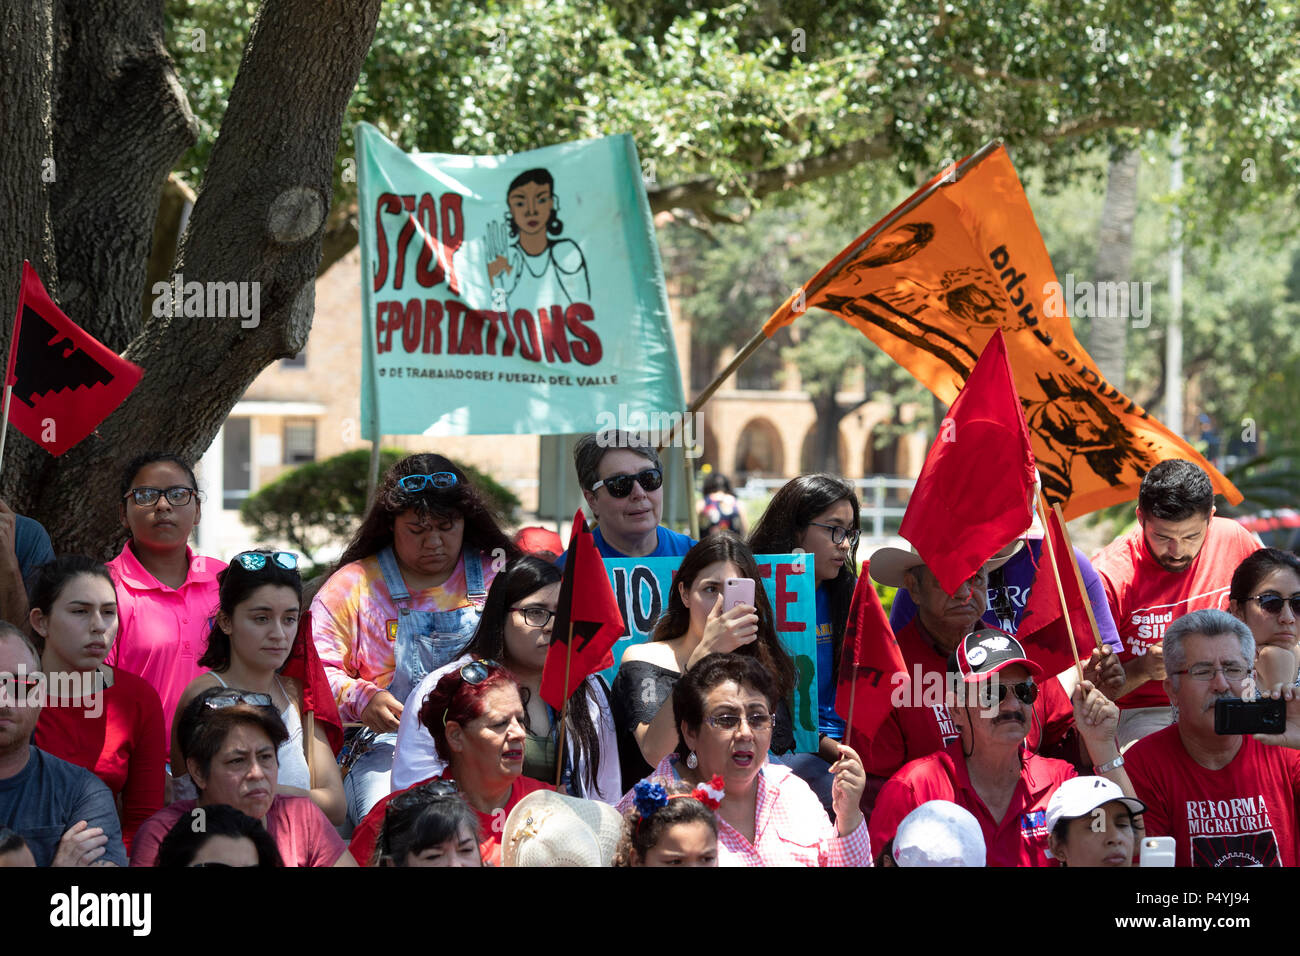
(961,258)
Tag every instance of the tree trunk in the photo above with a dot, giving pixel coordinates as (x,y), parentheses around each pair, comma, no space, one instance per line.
(1106,339)
(259,220)
(826,433)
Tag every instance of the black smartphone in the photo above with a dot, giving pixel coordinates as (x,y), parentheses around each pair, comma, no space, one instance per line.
(1233,716)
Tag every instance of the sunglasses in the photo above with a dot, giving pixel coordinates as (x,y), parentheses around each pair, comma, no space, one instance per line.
(234,698)
(1026,691)
(758,721)
(1272,603)
(256,560)
(620,486)
(176,495)
(418,796)
(439,481)
(475,672)
(535,616)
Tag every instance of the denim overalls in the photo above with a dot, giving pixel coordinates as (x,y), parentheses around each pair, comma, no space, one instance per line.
(425,641)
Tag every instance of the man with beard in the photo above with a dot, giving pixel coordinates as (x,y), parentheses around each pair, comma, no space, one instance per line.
(1227,800)
(1179,558)
(987,769)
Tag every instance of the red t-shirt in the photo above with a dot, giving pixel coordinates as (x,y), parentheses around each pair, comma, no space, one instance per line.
(911,732)
(302,833)
(1241,815)
(1145,598)
(118,738)
(364,836)
(1018,839)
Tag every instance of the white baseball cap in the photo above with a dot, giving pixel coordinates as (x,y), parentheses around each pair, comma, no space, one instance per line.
(1079,796)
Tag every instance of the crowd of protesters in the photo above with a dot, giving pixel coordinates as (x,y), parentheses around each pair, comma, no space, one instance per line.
(168,709)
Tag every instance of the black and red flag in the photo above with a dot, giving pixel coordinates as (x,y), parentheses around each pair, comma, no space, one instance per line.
(872,668)
(65,381)
(304,666)
(587,620)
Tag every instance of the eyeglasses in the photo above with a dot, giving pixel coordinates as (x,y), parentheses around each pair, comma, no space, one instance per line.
(1206,672)
(439,481)
(234,698)
(758,721)
(620,486)
(1026,691)
(838,534)
(176,495)
(256,560)
(26,687)
(535,616)
(1273,603)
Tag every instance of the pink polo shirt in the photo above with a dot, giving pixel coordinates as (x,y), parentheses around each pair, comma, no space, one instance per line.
(162,632)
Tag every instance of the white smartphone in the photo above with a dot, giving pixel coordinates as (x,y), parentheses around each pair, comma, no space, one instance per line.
(1157,851)
(737,591)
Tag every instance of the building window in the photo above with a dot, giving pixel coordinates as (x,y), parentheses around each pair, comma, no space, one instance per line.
(298,361)
(299,442)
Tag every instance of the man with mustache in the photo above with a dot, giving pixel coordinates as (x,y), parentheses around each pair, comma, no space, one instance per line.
(1226,800)
(1179,558)
(987,769)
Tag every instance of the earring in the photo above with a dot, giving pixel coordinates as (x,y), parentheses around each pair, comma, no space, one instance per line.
(692,761)
(1174,708)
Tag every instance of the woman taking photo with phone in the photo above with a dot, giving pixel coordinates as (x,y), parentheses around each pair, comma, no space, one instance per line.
(251,638)
(165,593)
(405,599)
(693,626)
(819,514)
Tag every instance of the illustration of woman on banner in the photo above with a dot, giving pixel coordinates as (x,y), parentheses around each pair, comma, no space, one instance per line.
(538,269)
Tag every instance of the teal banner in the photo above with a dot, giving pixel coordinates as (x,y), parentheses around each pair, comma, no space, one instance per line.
(514,294)
(642,585)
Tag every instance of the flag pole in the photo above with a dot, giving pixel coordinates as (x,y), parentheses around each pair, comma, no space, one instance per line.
(1078,577)
(1041,505)
(853,693)
(564,711)
(4,424)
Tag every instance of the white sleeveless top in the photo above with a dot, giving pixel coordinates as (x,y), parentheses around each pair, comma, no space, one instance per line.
(293,762)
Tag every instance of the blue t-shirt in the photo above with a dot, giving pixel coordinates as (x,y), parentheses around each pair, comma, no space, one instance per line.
(669,544)
(1018,578)
(32,546)
(44,799)
(828,722)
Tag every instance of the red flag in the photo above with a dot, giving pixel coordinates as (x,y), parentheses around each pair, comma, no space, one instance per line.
(973,495)
(587,604)
(1042,627)
(65,382)
(304,666)
(870,659)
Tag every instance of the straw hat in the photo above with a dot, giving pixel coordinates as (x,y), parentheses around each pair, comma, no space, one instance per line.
(888,564)
(550,829)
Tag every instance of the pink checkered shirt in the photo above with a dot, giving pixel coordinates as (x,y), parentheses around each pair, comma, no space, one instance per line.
(791,827)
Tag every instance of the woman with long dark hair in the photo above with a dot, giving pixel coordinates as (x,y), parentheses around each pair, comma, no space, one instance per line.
(818,514)
(405,598)
(1265,594)
(693,626)
(542,268)
(252,637)
(516,630)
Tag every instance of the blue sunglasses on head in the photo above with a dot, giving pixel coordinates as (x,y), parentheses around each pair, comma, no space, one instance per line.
(440,481)
(256,560)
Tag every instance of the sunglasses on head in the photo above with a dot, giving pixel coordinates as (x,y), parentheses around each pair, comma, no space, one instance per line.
(234,698)
(1026,691)
(1272,603)
(421,794)
(475,672)
(439,481)
(256,560)
(620,486)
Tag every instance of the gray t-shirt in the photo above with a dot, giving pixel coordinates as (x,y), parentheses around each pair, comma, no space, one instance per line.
(44,799)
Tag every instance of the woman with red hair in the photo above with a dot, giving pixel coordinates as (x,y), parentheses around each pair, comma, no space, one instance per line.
(476,718)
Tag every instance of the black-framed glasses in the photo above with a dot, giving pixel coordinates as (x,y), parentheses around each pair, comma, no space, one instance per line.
(176,495)
(620,486)
(759,721)
(256,560)
(1273,603)
(439,481)
(838,534)
(233,698)
(535,616)
(1026,692)
(1206,671)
